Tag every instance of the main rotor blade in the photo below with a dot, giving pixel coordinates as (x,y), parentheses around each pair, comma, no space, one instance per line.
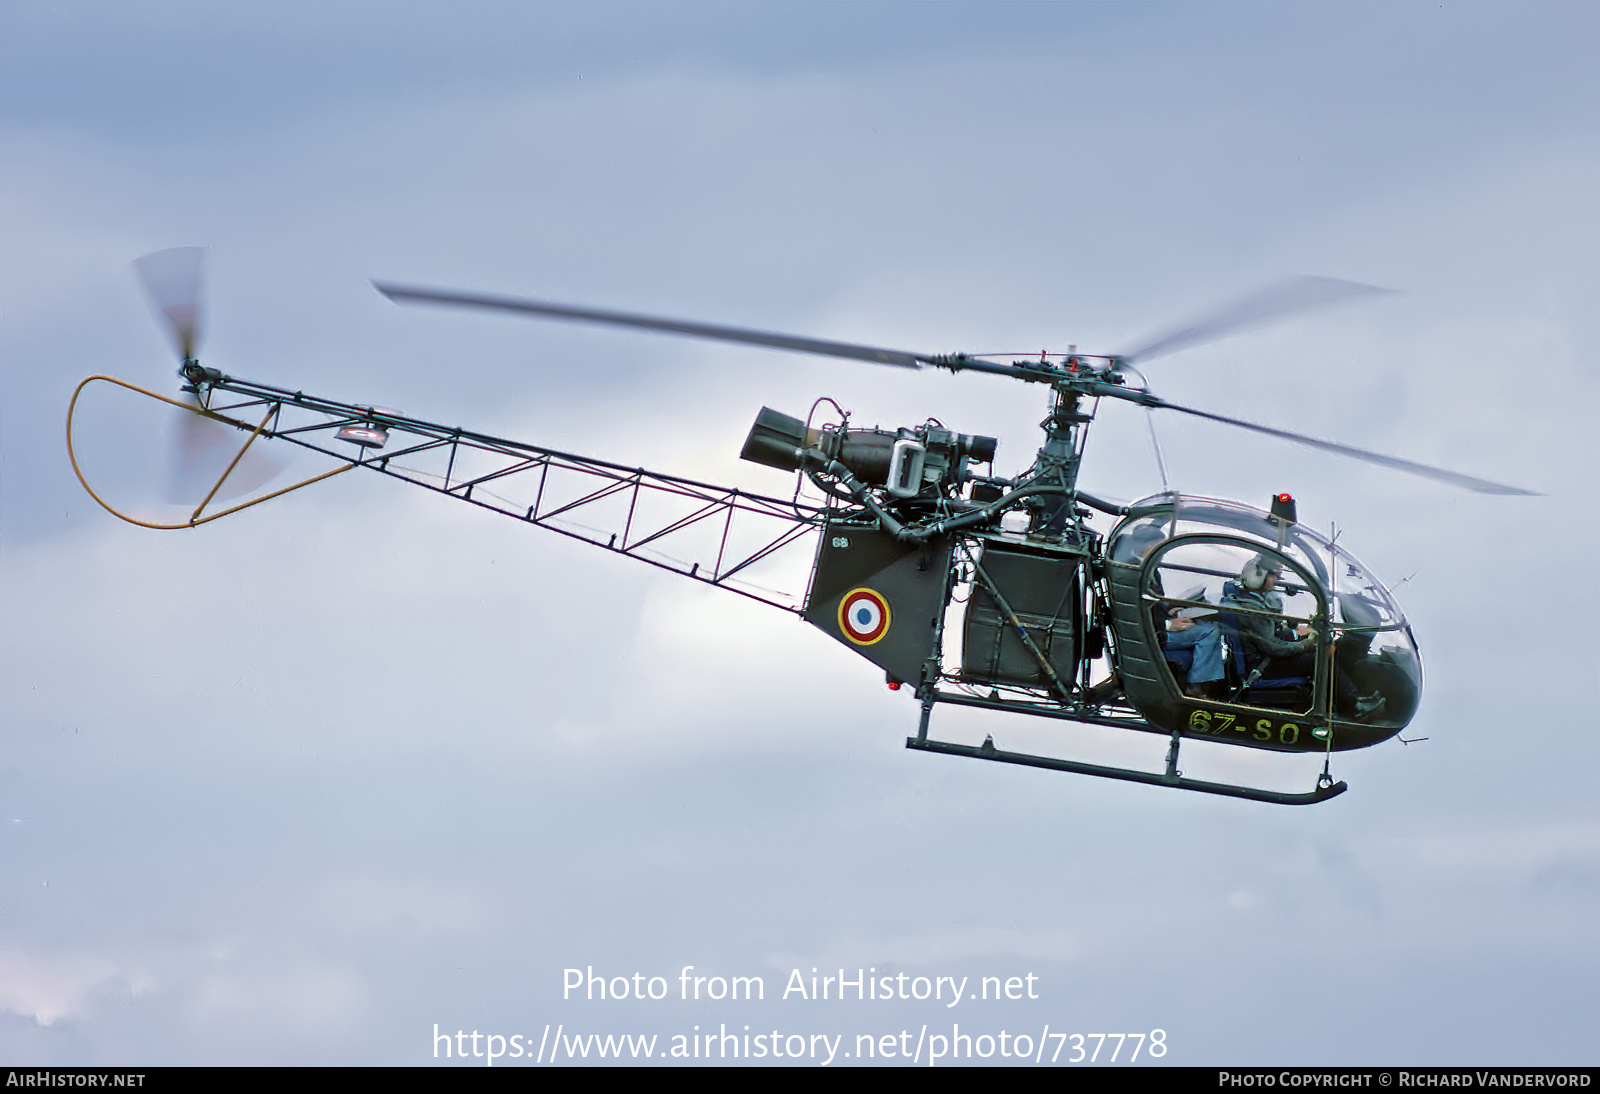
(1285,298)
(171,279)
(1437,474)
(402,294)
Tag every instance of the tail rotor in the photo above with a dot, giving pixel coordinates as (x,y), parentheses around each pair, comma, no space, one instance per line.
(199,447)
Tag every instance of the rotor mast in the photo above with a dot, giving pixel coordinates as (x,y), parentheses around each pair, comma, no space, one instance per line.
(1060,456)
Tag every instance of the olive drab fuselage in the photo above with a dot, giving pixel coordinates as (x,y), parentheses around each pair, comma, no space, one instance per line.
(1087,617)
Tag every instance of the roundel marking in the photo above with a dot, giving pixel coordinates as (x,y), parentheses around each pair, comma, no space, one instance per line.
(863,616)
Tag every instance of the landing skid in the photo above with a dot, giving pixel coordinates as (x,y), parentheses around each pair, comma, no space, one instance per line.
(1325,789)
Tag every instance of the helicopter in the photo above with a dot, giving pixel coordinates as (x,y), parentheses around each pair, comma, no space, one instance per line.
(1192,618)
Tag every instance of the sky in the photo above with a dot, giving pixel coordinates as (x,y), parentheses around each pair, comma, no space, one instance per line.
(316,782)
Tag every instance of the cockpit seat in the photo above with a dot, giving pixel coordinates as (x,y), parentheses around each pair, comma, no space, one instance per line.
(1245,684)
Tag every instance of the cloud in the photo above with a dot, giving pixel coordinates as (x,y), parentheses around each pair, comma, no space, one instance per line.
(48,989)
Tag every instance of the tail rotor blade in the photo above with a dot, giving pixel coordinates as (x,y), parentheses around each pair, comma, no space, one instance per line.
(172,280)
(1278,301)
(201,446)
(201,449)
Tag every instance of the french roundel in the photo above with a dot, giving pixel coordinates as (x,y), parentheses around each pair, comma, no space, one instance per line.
(863,616)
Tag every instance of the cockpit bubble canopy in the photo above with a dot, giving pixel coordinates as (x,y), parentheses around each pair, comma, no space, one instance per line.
(1362,600)
(1197,549)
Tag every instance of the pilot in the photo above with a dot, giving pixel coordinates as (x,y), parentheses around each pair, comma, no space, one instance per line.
(1281,649)
(1267,639)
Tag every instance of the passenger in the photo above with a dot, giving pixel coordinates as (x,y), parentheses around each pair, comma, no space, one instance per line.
(1280,649)
(1174,629)
(1183,630)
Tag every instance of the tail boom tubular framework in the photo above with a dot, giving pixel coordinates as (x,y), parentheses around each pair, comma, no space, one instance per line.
(757,546)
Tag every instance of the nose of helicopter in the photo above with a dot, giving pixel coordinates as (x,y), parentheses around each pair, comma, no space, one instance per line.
(1249,613)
